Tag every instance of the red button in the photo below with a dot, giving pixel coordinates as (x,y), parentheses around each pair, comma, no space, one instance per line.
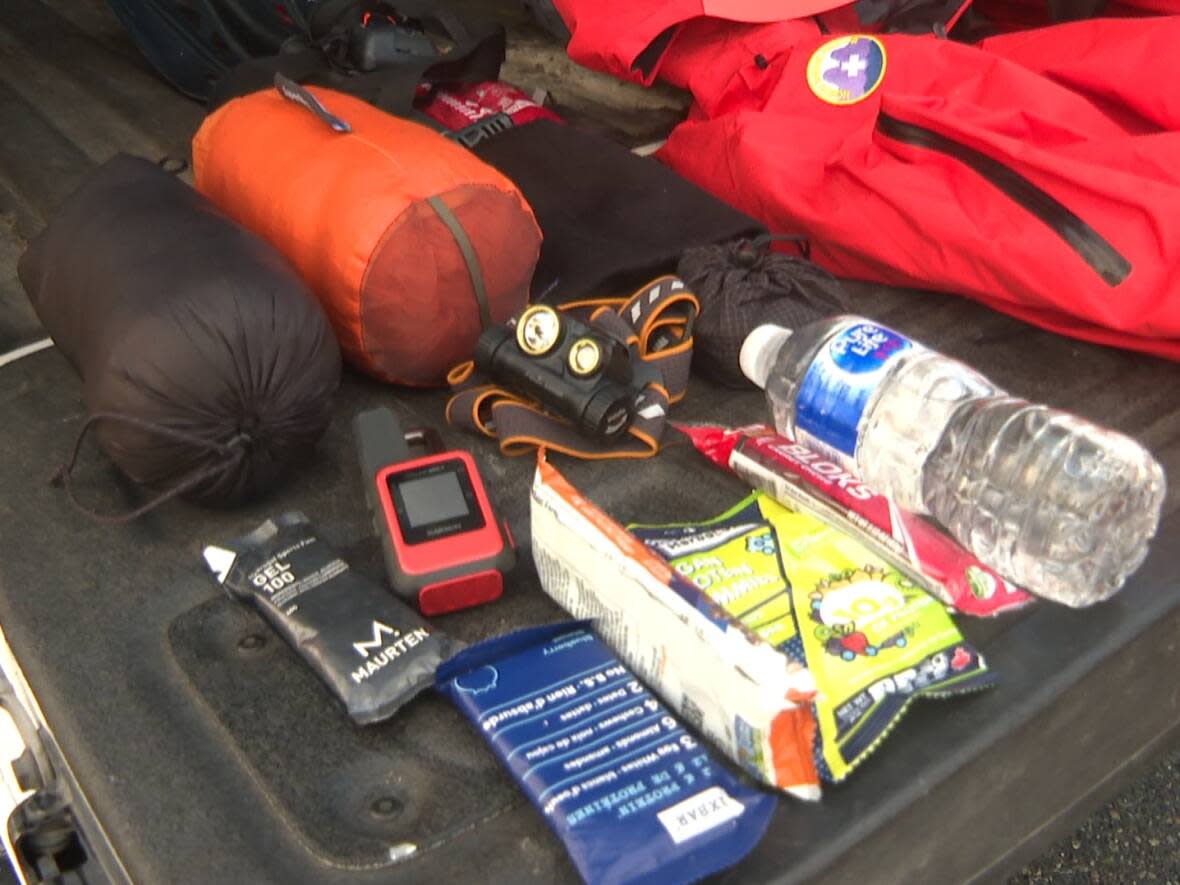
(460,593)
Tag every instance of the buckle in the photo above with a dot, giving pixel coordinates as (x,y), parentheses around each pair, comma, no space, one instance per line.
(471,135)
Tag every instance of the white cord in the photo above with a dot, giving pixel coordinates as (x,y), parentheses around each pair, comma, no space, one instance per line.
(646,150)
(21,352)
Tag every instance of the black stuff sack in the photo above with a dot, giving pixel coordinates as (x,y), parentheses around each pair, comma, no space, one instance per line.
(208,367)
(610,220)
(742,285)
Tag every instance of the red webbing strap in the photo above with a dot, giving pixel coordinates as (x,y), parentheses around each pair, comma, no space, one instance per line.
(656,324)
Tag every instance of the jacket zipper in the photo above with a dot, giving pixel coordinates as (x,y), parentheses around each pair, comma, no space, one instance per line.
(1096,251)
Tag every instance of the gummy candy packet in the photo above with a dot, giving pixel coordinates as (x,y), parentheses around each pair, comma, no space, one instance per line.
(872,638)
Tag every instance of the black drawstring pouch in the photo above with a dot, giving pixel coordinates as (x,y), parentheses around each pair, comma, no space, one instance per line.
(742,285)
(610,220)
(208,367)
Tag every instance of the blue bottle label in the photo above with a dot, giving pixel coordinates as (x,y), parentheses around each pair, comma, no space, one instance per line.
(839,384)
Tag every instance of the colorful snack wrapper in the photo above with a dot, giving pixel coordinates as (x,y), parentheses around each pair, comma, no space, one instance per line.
(872,638)
(752,701)
(633,796)
(734,560)
(803,479)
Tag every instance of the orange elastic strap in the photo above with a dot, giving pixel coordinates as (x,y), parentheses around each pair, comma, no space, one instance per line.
(675,325)
(460,373)
(592,302)
(522,445)
(660,319)
(655,446)
(491,391)
(648,286)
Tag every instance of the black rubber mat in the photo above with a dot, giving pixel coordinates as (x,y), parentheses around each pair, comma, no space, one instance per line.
(354,793)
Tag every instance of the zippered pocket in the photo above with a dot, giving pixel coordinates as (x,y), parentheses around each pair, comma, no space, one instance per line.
(1091,246)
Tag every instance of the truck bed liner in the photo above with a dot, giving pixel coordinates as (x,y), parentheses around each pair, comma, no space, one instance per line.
(207,757)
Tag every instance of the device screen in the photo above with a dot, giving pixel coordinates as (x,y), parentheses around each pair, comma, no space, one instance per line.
(435,501)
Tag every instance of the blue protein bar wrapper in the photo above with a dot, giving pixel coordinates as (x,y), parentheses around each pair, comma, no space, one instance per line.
(634,797)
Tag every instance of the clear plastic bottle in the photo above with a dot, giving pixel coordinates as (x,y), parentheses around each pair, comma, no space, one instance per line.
(1053,502)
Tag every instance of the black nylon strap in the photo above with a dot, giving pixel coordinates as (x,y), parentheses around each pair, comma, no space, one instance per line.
(475,52)
(521,426)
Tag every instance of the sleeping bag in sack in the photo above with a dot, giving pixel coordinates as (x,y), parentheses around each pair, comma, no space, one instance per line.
(1037,172)
(412,244)
(208,367)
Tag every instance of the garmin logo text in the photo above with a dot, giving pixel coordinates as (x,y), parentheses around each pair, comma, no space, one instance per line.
(387,645)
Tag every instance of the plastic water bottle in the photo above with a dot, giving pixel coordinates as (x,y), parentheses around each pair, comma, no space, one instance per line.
(1052,502)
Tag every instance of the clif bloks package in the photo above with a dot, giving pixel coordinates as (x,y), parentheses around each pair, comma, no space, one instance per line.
(372,651)
(633,796)
(806,480)
(872,638)
(716,673)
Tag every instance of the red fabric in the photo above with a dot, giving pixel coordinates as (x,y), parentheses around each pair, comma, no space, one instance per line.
(1084,112)
(1144,7)
(460,105)
(1104,144)
(1013,15)
(611,35)
(1076,109)
(357,215)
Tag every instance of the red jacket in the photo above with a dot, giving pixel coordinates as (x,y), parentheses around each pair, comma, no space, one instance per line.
(1038,172)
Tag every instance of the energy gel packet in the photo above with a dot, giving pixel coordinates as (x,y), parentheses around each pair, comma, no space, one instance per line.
(372,651)
(806,480)
(633,796)
(871,637)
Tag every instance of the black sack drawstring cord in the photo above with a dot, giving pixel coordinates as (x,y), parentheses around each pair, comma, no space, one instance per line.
(232,452)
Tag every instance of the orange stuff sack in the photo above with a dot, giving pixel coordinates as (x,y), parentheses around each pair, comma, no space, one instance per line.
(411,243)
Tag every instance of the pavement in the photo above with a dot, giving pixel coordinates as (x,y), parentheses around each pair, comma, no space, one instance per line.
(1135,838)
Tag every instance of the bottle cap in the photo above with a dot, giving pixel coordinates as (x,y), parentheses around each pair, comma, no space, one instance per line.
(759,351)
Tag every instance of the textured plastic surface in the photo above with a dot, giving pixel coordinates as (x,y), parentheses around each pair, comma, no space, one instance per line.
(450,563)
(186,739)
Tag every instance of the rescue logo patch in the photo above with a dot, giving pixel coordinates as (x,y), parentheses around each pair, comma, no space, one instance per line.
(846,70)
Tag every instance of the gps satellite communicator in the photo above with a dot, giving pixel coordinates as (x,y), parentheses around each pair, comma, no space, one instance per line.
(445,547)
